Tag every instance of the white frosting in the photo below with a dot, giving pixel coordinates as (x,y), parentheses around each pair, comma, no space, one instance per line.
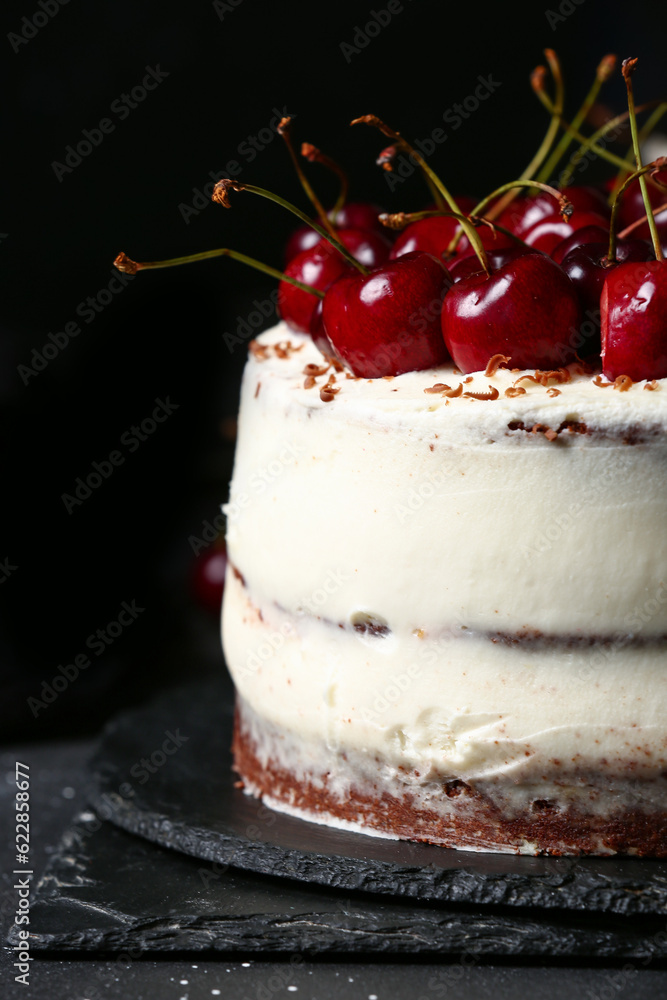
(438,519)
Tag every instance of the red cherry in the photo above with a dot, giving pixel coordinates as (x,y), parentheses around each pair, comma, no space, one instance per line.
(208,578)
(319,334)
(360,215)
(633,309)
(526,211)
(318,267)
(587,266)
(587,234)
(492,240)
(387,322)
(303,238)
(527,309)
(549,232)
(432,234)
(587,198)
(632,206)
(465,267)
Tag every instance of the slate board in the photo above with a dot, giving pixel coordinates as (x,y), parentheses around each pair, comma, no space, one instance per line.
(107,891)
(164,772)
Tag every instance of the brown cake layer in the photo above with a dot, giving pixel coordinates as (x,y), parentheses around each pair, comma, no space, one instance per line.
(630,822)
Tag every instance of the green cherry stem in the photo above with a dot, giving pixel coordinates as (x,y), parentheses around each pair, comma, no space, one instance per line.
(128,266)
(590,144)
(221,197)
(537,82)
(644,132)
(653,168)
(315,155)
(438,189)
(605,68)
(285,131)
(628,67)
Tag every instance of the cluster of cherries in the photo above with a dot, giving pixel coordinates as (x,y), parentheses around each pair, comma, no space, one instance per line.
(525,273)
(537,275)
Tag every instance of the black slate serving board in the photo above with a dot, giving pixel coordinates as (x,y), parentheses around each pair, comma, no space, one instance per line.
(164,772)
(108,891)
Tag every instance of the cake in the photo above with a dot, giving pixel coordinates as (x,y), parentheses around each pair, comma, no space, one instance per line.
(446,606)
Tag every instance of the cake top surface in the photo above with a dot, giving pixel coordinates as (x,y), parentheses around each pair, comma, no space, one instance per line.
(443,399)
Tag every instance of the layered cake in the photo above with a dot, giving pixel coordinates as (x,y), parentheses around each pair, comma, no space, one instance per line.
(446,606)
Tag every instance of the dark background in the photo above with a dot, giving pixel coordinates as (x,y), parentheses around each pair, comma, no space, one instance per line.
(228,66)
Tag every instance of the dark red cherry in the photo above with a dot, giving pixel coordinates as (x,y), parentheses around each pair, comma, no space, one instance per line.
(527,310)
(587,234)
(388,321)
(360,215)
(318,267)
(493,240)
(549,232)
(525,211)
(303,238)
(633,309)
(632,205)
(587,198)
(208,578)
(432,234)
(319,334)
(587,266)
(464,267)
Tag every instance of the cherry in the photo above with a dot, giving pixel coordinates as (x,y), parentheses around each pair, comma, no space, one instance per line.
(587,198)
(588,266)
(525,211)
(632,205)
(548,233)
(432,234)
(464,267)
(527,309)
(305,237)
(491,239)
(587,234)
(319,334)
(359,215)
(316,267)
(633,311)
(208,578)
(633,305)
(387,322)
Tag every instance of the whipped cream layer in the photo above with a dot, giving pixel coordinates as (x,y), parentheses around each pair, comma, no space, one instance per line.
(460,586)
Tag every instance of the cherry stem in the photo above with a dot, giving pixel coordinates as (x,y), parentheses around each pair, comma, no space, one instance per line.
(640,222)
(537,80)
(129,266)
(315,155)
(650,167)
(646,129)
(399,220)
(284,130)
(221,196)
(564,204)
(438,189)
(604,70)
(628,69)
(589,143)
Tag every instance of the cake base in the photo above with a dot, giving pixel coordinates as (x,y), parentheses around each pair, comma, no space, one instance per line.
(570,813)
